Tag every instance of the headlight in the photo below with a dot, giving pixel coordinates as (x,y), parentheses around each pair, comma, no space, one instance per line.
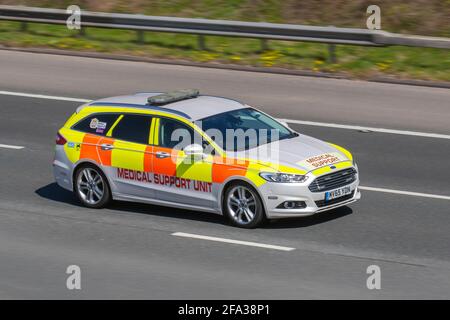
(283,177)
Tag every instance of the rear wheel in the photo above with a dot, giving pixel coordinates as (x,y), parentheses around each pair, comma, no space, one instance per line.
(91,187)
(243,206)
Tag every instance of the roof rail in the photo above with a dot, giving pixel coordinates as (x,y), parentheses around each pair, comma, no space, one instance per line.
(168,110)
(173,96)
(119,104)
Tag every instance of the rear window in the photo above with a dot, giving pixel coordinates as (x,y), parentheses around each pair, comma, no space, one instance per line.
(97,123)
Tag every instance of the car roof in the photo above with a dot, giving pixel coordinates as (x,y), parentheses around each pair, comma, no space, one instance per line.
(193,109)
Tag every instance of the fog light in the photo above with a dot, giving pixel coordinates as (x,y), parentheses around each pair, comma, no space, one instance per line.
(289,205)
(292,205)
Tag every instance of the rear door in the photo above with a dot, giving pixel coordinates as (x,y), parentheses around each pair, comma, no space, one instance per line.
(131,161)
(178,178)
(92,145)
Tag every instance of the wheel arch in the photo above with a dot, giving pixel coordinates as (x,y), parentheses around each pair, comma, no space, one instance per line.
(89,162)
(227,183)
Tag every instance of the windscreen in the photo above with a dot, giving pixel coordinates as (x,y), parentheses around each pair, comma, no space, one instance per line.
(244,129)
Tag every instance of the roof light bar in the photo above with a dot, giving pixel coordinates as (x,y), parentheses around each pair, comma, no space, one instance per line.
(173,96)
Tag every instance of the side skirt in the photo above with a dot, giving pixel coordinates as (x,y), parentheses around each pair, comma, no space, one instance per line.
(123,197)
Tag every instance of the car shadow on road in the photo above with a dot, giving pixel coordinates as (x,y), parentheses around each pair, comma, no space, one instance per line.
(55,193)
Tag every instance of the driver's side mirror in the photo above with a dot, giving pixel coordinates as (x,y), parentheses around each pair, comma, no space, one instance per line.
(193,150)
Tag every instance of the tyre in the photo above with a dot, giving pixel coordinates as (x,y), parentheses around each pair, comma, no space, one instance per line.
(243,206)
(91,187)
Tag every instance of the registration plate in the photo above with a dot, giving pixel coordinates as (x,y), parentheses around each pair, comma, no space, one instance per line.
(333,194)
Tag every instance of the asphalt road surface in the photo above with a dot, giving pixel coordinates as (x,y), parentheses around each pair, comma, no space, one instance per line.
(129,250)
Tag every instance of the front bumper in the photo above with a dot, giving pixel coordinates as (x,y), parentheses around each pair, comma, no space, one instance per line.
(275,194)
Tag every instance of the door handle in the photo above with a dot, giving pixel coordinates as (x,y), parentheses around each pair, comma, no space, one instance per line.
(106,146)
(162,155)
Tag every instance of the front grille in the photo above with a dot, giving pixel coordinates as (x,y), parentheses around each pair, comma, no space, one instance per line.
(323,203)
(333,180)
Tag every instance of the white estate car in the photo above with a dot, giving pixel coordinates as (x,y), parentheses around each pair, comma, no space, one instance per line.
(200,152)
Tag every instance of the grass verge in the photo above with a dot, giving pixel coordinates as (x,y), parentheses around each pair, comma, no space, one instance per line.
(355,61)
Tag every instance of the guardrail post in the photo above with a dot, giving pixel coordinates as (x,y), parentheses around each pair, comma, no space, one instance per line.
(140,36)
(23,26)
(201,42)
(82,31)
(332,53)
(264,45)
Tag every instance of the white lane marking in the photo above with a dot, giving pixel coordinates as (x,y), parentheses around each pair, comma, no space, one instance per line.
(7,146)
(308,123)
(244,243)
(42,96)
(382,130)
(408,193)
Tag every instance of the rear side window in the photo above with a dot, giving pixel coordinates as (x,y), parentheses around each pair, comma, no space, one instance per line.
(97,123)
(133,128)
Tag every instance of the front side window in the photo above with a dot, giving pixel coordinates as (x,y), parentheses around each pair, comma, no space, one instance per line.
(97,123)
(133,128)
(175,134)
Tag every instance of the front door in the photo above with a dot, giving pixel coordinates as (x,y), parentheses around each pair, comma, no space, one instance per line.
(179,178)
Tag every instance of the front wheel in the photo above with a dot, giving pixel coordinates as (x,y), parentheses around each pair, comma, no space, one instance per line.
(91,187)
(243,206)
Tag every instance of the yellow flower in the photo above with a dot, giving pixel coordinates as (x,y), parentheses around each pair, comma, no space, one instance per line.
(383,66)
(206,56)
(269,57)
